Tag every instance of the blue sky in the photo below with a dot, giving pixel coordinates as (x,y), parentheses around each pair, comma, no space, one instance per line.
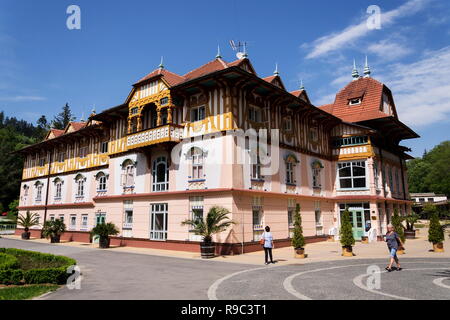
(43,65)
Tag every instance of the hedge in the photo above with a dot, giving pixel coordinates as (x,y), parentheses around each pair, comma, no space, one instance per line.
(8,261)
(49,275)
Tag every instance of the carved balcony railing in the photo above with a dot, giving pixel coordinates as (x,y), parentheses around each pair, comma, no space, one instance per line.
(166,133)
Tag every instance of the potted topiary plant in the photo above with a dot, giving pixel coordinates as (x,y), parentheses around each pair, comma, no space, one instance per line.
(411,219)
(28,221)
(436,233)
(298,240)
(216,221)
(104,231)
(53,230)
(346,235)
(400,229)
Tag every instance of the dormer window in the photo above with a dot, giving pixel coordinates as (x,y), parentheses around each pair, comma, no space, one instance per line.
(287,125)
(355,101)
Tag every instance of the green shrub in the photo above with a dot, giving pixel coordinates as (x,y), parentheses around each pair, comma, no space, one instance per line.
(8,261)
(346,232)
(398,226)
(36,268)
(298,240)
(436,231)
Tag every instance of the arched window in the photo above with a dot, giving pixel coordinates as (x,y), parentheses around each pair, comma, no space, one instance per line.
(316,169)
(128,171)
(26,189)
(160,174)
(80,181)
(58,188)
(291,162)
(197,157)
(102,179)
(39,186)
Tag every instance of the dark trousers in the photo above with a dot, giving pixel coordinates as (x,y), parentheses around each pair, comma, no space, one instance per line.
(268,252)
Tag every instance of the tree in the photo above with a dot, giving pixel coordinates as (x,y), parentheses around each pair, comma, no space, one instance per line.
(436,231)
(216,221)
(28,221)
(346,232)
(104,231)
(53,230)
(398,226)
(63,118)
(13,211)
(432,172)
(298,240)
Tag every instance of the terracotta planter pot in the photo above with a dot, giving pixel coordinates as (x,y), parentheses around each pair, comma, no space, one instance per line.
(104,242)
(410,234)
(330,239)
(347,251)
(207,250)
(438,247)
(365,240)
(55,239)
(300,253)
(26,235)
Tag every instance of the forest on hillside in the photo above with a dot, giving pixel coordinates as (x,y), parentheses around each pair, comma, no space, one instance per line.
(16,134)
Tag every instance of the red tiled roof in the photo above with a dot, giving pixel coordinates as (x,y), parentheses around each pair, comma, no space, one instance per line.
(78,125)
(174,79)
(270,79)
(371,92)
(297,93)
(57,132)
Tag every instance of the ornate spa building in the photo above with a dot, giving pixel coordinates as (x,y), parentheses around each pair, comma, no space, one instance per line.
(181,144)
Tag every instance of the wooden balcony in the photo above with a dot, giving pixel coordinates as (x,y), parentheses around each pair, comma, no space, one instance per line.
(166,133)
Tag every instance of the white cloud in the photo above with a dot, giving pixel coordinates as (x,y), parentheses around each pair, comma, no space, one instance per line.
(22,98)
(389,50)
(349,35)
(422,89)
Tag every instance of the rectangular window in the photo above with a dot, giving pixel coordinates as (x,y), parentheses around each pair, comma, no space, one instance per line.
(290,173)
(52,218)
(316,178)
(73,222)
(158,222)
(128,219)
(84,222)
(354,101)
(197,165)
(198,114)
(254,114)
(58,191)
(375,174)
(61,217)
(256,171)
(104,147)
(288,124)
(352,175)
(39,193)
(61,157)
(83,152)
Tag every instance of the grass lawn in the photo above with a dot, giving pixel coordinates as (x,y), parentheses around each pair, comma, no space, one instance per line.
(25,292)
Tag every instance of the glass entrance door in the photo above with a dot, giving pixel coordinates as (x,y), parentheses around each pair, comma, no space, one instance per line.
(158,222)
(357,220)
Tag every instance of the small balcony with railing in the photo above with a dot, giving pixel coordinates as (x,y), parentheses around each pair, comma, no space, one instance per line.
(161,134)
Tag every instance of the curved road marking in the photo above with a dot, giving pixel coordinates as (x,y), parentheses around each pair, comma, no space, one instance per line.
(440,282)
(212,291)
(357,281)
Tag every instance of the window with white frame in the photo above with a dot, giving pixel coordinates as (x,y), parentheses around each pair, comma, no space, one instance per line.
(197,157)
(26,190)
(316,174)
(160,174)
(73,222)
(39,187)
(52,217)
(84,222)
(290,170)
(196,204)
(58,189)
(104,147)
(355,101)
(128,171)
(80,181)
(292,204)
(352,175)
(61,218)
(256,170)
(102,180)
(198,113)
(376,175)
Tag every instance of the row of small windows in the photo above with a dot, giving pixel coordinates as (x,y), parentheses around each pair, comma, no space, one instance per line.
(350,141)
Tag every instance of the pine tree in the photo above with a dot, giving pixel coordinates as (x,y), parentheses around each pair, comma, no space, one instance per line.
(63,118)
(436,231)
(346,232)
(398,226)
(298,240)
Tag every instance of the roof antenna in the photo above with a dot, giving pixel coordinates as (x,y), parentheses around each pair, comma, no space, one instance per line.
(161,65)
(367,71)
(302,87)
(276,72)
(355,73)
(219,55)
